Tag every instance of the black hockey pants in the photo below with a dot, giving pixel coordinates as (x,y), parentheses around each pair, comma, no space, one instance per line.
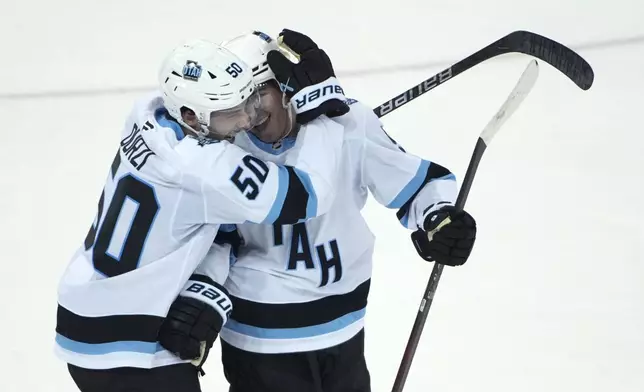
(172,378)
(336,369)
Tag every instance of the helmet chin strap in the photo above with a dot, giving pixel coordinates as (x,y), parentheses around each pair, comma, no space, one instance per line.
(201,133)
(291,125)
(204,132)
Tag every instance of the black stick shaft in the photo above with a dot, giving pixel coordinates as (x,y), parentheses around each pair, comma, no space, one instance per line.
(434,278)
(557,55)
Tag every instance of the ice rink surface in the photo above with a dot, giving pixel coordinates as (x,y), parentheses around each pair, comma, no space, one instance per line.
(552,298)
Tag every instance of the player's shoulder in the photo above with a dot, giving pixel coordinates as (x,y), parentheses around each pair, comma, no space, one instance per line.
(356,106)
(350,101)
(358,121)
(203,151)
(360,111)
(176,152)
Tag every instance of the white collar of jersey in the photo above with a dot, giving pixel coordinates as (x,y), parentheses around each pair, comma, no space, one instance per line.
(272,148)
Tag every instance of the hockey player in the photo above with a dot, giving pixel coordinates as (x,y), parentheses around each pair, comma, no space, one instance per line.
(300,290)
(174,180)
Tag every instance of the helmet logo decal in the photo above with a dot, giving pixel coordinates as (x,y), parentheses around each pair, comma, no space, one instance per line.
(192,70)
(263,36)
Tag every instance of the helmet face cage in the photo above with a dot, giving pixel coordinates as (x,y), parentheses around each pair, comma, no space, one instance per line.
(242,117)
(253,48)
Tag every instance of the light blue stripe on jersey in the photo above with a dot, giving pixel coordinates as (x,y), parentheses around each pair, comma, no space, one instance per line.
(295,333)
(405,219)
(312,205)
(284,145)
(448,177)
(412,186)
(282,190)
(106,348)
(160,116)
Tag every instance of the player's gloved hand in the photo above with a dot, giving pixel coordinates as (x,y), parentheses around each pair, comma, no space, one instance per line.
(447,236)
(310,83)
(195,319)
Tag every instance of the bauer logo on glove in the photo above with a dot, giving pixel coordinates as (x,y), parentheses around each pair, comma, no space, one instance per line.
(305,74)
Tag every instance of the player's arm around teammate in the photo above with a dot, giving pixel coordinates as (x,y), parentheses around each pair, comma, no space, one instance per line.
(175,180)
(303,191)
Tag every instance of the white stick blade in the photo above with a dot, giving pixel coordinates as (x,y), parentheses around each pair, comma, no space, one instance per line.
(520,91)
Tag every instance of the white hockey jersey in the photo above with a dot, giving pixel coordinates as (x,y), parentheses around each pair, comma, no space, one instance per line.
(304,287)
(164,199)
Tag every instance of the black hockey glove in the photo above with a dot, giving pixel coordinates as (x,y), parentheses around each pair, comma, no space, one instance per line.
(195,319)
(310,84)
(447,237)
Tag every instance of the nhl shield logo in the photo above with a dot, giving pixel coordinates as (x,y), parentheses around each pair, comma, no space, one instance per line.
(192,70)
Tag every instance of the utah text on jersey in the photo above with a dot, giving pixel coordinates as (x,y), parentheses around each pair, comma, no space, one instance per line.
(304,287)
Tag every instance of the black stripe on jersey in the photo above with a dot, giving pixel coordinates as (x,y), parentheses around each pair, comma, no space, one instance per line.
(107,329)
(295,202)
(434,172)
(435,205)
(116,163)
(301,314)
(229,237)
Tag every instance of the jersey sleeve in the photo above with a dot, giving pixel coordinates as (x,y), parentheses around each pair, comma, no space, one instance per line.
(221,255)
(206,284)
(403,181)
(237,187)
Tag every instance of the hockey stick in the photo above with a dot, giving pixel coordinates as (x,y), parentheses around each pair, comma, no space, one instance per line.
(559,56)
(522,88)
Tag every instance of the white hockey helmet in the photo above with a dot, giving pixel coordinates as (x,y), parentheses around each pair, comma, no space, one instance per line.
(212,82)
(253,47)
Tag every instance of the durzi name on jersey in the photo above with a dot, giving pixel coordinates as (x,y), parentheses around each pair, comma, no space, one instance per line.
(134,147)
